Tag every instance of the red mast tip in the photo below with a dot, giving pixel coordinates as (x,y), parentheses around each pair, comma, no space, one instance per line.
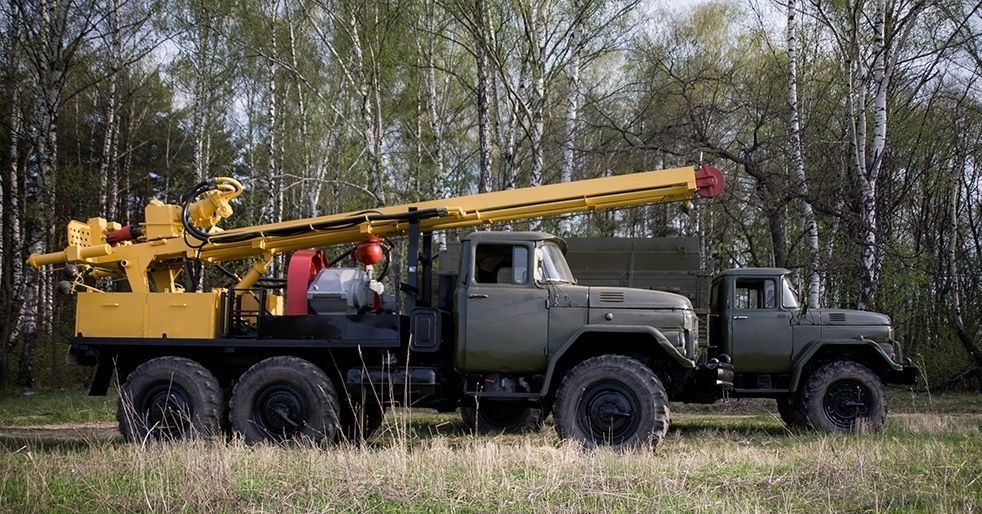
(709,181)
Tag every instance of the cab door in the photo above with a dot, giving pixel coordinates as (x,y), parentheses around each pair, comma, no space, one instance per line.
(759,329)
(506,320)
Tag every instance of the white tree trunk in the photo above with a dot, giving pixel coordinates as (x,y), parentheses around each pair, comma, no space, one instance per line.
(370,97)
(798,161)
(108,166)
(960,170)
(12,216)
(274,171)
(483,92)
(308,176)
(110,150)
(506,127)
(433,105)
(537,42)
(572,105)
(201,99)
(870,171)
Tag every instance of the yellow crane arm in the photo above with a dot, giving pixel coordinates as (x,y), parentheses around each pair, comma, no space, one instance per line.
(163,243)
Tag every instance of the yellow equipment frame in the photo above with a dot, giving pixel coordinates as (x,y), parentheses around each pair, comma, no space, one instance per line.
(152,262)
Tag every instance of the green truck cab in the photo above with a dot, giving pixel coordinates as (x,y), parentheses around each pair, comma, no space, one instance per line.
(825,367)
(604,360)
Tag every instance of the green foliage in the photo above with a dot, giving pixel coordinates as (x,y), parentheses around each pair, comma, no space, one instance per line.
(293,98)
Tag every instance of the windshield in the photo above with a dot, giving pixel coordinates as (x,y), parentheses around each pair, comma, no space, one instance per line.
(550,265)
(789,298)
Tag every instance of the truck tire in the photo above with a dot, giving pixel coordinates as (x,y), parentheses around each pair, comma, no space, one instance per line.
(169,398)
(497,417)
(284,399)
(612,400)
(844,396)
(791,413)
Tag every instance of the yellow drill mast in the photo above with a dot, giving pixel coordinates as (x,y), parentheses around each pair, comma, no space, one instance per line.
(152,255)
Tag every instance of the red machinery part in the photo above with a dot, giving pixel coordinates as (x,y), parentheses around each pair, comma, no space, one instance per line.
(304,266)
(709,181)
(127,233)
(370,252)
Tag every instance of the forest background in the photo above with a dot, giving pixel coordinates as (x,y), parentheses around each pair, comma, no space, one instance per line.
(849,131)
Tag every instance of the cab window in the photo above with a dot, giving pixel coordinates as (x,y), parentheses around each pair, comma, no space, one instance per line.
(550,264)
(501,264)
(755,293)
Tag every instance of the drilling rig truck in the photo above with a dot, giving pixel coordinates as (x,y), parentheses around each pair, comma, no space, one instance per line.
(319,354)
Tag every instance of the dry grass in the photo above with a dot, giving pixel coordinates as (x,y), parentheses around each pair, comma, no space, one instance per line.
(424,462)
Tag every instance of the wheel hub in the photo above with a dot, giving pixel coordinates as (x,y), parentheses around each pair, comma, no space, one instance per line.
(280,410)
(846,402)
(167,410)
(607,411)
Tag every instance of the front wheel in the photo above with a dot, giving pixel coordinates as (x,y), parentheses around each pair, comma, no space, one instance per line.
(612,400)
(284,399)
(844,396)
(496,417)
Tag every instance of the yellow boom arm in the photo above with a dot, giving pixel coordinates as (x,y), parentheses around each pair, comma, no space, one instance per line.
(170,235)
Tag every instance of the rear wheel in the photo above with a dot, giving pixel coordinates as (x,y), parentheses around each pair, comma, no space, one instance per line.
(496,417)
(283,399)
(844,396)
(612,400)
(169,398)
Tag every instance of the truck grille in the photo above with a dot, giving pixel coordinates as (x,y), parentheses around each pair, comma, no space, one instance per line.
(612,297)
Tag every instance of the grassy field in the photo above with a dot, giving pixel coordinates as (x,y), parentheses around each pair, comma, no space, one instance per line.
(734,456)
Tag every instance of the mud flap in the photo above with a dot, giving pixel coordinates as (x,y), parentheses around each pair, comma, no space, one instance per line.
(100,381)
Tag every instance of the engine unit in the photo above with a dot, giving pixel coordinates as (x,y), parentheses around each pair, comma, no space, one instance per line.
(344,290)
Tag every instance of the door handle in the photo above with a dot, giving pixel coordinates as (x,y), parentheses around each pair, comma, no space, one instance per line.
(477,295)
(739,317)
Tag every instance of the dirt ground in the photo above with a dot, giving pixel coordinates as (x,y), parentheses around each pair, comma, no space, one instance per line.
(107,430)
(62,432)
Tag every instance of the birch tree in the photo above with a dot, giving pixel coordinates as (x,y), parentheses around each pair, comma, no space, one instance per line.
(11,215)
(482,67)
(572,105)
(480,41)
(959,171)
(204,67)
(798,162)
(52,38)
(869,69)
(110,145)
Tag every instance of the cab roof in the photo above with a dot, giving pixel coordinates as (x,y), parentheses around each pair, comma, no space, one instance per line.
(756,272)
(505,236)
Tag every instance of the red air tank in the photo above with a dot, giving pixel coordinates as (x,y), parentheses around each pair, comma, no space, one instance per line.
(370,252)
